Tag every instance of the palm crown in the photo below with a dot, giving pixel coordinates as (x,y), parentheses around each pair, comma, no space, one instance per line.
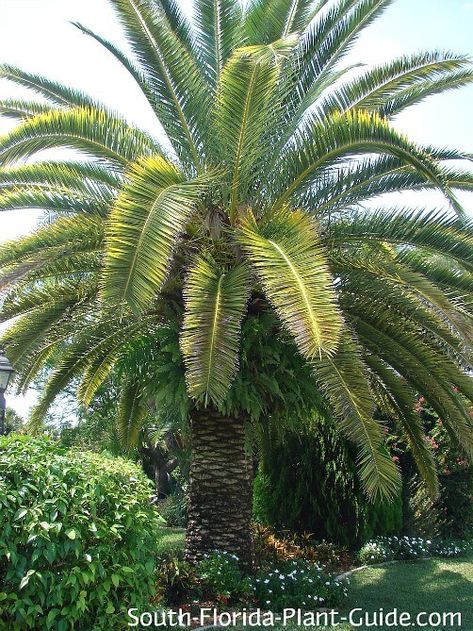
(273,147)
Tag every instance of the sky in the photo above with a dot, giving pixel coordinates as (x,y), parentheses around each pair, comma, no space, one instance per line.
(37,35)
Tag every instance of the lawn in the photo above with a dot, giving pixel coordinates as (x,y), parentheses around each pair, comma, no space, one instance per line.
(431,586)
(170,541)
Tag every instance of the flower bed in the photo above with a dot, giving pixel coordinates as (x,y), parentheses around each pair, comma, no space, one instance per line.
(384,549)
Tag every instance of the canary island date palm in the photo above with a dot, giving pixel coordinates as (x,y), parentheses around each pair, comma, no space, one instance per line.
(254,199)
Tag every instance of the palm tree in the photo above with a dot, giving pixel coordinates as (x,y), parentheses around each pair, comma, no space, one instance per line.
(255,204)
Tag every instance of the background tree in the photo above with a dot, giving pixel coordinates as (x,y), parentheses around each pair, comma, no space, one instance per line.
(257,208)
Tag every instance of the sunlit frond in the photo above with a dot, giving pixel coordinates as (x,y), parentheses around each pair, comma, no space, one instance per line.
(95,132)
(146,223)
(215,299)
(291,264)
(343,379)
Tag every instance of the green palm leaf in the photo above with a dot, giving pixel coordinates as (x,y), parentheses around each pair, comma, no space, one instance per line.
(93,131)
(243,113)
(269,20)
(320,145)
(20,110)
(291,264)
(51,90)
(344,381)
(374,87)
(131,414)
(215,299)
(398,401)
(218,25)
(145,225)
(180,92)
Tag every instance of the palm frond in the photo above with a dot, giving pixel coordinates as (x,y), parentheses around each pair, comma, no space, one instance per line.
(53,200)
(51,90)
(242,113)
(435,231)
(132,412)
(20,110)
(397,399)
(269,20)
(181,99)
(344,381)
(215,299)
(84,177)
(291,264)
(331,36)
(64,237)
(218,24)
(145,225)
(416,94)
(376,86)
(95,132)
(125,61)
(429,372)
(320,145)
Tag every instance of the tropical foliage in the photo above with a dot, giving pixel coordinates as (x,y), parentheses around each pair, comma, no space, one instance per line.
(257,198)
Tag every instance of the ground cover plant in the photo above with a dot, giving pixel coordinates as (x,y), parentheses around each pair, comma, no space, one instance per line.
(161,259)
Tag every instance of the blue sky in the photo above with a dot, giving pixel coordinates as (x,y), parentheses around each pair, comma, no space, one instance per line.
(37,35)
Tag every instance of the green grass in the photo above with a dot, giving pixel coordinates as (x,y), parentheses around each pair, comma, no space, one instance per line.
(433,586)
(170,542)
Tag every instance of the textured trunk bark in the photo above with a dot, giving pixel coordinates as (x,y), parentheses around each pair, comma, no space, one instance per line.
(220,488)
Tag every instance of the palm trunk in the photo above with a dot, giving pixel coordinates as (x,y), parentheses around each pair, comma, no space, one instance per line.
(220,488)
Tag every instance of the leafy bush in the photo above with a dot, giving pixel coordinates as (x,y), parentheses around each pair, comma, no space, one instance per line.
(332,505)
(405,548)
(375,552)
(298,584)
(451,548)
(221,578)
(76,530)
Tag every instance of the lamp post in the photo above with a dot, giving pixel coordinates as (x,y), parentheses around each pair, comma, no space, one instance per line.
(6,371)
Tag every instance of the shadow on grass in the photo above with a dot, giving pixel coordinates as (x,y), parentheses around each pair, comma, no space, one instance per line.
(414,587)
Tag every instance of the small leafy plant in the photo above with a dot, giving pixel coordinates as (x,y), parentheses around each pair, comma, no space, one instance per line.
(221,577)
(176,579)
(76,529)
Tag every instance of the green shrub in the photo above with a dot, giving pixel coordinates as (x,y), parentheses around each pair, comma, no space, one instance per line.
(76,537)
(375,552)
(298,584)
(308,482)
(173,509)
(176,580)
(221,578)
